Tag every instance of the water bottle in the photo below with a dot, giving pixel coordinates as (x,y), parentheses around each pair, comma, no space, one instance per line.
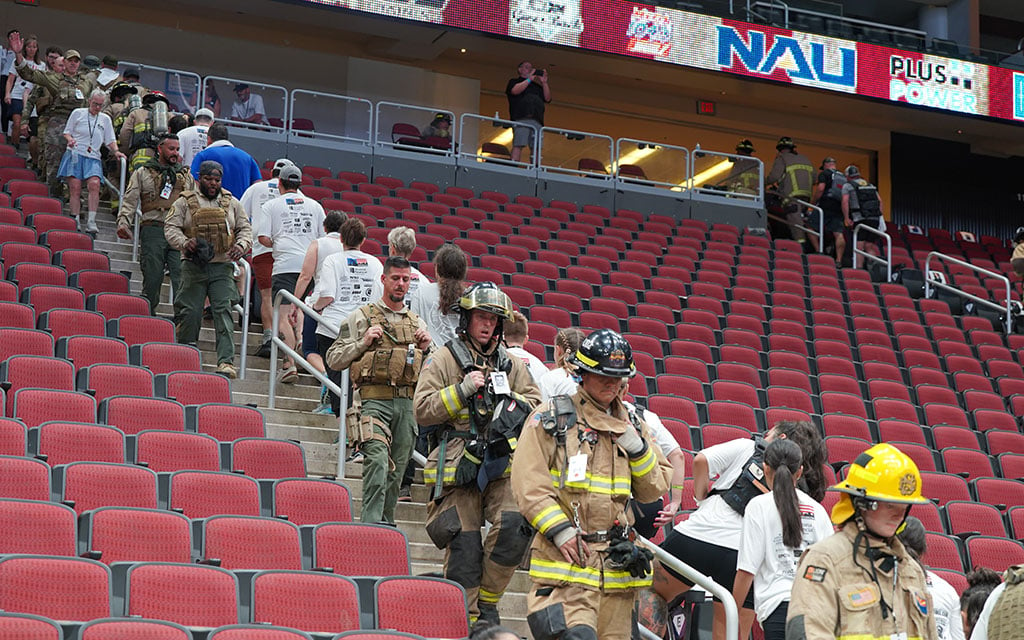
(410,356)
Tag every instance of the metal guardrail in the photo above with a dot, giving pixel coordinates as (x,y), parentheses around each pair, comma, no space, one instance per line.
(779,4)
(631,152)
(888,249)
(390,115)
(183,88)
(277,343)
(706,180)
(472,140)
(257,88)
(564,152)
(732,617)
(301,106)
(820,231)
(243,313)
(929,283)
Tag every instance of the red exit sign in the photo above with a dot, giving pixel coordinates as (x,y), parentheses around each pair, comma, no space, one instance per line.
(705,108)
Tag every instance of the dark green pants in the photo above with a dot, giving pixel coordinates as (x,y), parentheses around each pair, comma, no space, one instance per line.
(381,478)
(216,281)
(156,256)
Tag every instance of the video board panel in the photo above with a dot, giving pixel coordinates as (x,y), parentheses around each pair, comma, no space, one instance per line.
(731,46)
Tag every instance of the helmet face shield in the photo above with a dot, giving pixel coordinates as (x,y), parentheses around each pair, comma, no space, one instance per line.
(486,298)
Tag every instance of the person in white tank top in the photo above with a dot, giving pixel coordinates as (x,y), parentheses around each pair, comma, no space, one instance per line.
(561,381)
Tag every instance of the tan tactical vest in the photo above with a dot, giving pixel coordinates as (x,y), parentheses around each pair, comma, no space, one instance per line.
(211,223)
(151,199)
(394,361)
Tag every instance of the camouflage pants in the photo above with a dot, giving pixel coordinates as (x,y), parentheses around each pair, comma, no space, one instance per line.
(54,145)
(40,136)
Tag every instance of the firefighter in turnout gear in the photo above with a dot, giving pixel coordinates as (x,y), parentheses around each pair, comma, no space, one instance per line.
(791,178)
(579,460)
(861,583)
(382,344)
(153,189)
(210,229)
(479,397)
(140,132)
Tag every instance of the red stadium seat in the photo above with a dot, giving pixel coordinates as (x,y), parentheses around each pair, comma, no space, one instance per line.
(57,588)
(127,534)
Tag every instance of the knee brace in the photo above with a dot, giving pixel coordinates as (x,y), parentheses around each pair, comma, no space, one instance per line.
(548,623)
(465,560)
(580,632)
(514,536)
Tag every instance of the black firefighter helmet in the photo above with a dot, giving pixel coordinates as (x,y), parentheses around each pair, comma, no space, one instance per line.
(605,353)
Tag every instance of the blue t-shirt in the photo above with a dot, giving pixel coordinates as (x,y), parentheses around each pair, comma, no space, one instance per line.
(240,169)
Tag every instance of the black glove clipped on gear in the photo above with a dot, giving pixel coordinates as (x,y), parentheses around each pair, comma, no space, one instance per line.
(624,555)
(202,254)
(469,465)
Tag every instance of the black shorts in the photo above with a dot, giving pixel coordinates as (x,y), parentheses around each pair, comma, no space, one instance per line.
(869,222)
(834,221)
(33,126)
(284,281)
(719,563)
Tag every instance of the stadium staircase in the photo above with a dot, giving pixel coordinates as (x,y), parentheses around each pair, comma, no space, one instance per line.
(292,419)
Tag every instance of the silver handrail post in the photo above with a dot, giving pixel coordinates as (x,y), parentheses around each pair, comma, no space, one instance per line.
(732,616)
(929,283)
(247,269)
(870,256)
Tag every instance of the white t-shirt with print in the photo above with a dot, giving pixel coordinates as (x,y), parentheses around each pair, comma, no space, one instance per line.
(533,364)
(257,195)
(715,521)
(763,553)
(191,141)
(90,132)
(946,605)
(292,221)
(352,278)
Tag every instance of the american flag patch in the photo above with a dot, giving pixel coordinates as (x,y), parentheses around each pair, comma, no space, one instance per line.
(863,597)
(806,511)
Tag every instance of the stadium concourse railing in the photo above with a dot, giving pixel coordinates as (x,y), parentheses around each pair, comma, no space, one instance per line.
(302,116)
(887,260)
(933,282)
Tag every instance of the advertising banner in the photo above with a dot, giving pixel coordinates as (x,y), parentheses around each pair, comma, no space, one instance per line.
(731,46)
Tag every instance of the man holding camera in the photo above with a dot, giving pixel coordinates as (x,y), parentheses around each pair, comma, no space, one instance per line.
(480,396)
(527,94)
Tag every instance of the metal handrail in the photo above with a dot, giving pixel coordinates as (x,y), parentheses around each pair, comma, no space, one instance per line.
(250,125)
(693,187)
(470,150)
(377,134)
(929,283)
(180,73)
(244,314)
(872,257)
(292,132)
(732,616)
(341,391)
(820,232)
(617,161)
(549,168)
(277,343)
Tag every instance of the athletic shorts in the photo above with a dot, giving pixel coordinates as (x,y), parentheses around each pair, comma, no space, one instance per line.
(262,269)
(309,336)
(284,281)
(525,133)
(719,563)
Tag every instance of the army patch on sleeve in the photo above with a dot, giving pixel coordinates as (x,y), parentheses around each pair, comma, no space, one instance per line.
(815,574)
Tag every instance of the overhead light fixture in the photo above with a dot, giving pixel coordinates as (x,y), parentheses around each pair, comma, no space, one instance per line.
(642,151)
(503,138)
(462,50)
(710,173)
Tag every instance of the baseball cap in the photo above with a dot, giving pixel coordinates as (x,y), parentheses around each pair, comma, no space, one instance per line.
(110,61)
(281,163)
(204,112)
(71,53)
(241,86)
(290,173)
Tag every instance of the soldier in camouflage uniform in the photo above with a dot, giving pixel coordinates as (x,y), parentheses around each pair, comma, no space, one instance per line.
(68,91)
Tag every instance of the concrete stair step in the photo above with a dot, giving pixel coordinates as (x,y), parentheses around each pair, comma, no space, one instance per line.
(292,419)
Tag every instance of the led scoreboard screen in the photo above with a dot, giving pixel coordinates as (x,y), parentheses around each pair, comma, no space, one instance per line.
(720,44)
